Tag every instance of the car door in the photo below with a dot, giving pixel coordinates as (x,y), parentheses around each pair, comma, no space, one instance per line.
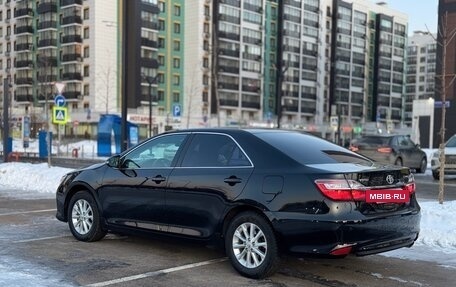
(213,171)
(134,193)
(407,151)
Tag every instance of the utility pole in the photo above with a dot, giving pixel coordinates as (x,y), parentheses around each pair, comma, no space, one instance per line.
(5,118)
(150,81)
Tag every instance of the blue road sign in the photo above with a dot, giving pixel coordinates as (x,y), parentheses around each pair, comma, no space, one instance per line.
(439,104)
(59,100)
(176,110)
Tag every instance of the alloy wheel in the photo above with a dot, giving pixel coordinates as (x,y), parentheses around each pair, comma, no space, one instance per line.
(249,245)
(82,216)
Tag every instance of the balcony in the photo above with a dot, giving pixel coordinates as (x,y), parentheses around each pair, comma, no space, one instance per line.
(252,105)
(71,57)
(72,77)
(24,29)
(71,20)
(47,79)
(47,42)
(227,69)
(23,12)
(71,39)
(24,64)
(46,8)
(24,81)
(24,97)
(228,35)
(308,110)
(149,63)
(23,47)
(228,52)
(149,43)
(230,103)
(64,3)
(251,89)
(72,95)
(149,25)
(228,86)
(47,61)
(47,25)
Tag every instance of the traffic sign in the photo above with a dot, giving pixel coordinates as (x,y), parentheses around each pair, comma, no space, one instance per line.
(59,115)
(176,110)
(439,104)
(60,100)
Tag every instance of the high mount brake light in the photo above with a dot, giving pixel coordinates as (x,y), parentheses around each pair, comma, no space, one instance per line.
(351,190)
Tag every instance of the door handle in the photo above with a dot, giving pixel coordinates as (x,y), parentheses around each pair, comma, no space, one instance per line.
(232,180)
(158,179)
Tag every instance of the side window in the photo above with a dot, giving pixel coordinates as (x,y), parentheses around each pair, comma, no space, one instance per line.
(159,152)
(211,150)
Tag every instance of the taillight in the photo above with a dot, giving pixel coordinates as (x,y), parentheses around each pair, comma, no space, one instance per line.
(353,148)
(351,190)
(385,149)
(341,189)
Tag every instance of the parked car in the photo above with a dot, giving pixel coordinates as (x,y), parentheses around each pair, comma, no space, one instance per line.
(450,159)
(260,192)
(391,149)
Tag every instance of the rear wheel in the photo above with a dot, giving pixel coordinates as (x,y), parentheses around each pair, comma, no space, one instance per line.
(398,161)
(84,218)
(251,245)
(423,166)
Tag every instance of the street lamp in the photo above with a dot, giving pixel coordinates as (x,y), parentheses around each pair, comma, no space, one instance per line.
(150,81)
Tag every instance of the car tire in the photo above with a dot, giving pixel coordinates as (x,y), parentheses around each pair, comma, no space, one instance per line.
(423,165)
(84,218)
(251,246)
(436,174)
(398,162)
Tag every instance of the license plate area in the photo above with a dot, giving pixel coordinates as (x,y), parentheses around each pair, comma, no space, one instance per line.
(390,196)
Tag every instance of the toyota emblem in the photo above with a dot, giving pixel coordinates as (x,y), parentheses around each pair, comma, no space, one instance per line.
(390,179)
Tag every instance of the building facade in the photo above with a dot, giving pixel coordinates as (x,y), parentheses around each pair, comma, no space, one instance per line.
(293,63)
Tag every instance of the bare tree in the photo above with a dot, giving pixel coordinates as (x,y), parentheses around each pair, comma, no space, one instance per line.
(446,37)
(107,76)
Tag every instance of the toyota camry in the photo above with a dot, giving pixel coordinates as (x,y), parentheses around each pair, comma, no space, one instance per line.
(259,192)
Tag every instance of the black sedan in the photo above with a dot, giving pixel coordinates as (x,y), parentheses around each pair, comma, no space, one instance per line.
(260,192)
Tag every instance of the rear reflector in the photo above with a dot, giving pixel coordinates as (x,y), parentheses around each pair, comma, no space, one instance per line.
(341,250)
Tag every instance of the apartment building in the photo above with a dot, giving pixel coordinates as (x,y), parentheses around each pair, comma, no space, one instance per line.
(420,73)
(210,62)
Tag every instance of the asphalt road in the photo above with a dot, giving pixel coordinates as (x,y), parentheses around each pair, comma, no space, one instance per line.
(38,250)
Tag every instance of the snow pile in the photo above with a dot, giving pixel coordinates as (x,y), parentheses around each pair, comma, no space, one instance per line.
(31,177)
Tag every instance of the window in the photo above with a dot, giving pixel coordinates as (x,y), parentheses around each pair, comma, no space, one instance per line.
(86,71)
(177,28)
(157,153)
(86,13)
(161,25)
(161,60)
(177,10)
(86,52)
(176,97)
(176,45)
(161,42)
(176,63)
(176,80)
(86,33)
(209,150)
(161,6)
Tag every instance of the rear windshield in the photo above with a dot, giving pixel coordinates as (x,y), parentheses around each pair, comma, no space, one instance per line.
(380,141)
(308,149)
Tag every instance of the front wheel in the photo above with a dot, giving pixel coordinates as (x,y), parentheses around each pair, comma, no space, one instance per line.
(251,245)
(84,218)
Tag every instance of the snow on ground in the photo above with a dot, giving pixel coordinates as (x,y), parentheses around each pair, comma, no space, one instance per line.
(437,239)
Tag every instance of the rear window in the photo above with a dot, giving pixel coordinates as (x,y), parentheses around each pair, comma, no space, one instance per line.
(380,141)
(307,149)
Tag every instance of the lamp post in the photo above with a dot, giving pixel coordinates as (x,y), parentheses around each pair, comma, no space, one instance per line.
(150,81)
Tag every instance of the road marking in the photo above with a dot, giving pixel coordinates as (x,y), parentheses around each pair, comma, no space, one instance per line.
(39,239)
(27,212)
(155,273)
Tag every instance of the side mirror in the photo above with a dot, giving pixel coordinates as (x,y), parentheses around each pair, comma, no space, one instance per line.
(114,161)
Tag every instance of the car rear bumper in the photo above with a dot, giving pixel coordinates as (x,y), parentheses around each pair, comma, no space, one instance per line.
(366,236)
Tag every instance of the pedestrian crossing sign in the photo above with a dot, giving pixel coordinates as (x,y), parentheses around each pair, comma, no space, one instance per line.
(59,115)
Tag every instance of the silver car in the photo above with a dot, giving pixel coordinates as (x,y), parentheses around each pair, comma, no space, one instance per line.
(450,159)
